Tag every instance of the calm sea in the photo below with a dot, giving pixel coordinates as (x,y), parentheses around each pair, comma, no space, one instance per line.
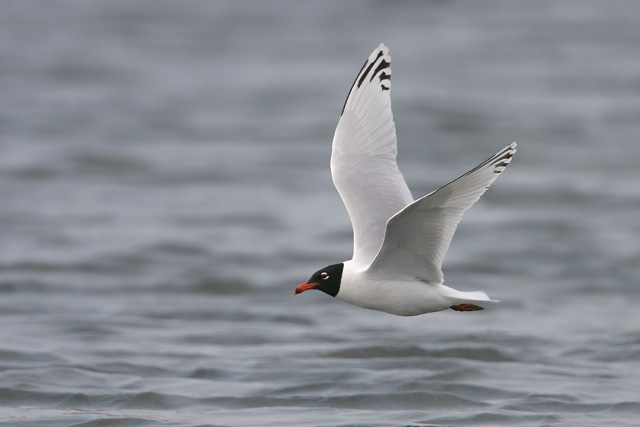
(164,186)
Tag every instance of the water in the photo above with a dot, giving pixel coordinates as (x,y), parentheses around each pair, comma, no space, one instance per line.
(164,186)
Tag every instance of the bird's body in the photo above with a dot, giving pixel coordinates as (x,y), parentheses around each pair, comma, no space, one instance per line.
(399,243)
(408,297)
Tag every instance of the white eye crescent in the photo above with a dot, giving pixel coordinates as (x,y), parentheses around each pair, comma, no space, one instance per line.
(324,276)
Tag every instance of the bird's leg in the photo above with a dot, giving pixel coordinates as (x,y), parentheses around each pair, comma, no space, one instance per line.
(466,307)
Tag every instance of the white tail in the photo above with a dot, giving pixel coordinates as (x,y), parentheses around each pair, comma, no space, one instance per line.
(459,297)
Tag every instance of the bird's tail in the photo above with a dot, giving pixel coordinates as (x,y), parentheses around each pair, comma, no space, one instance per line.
(458,297)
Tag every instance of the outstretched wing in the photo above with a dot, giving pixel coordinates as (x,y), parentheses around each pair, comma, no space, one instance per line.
(418,237)
(363,158)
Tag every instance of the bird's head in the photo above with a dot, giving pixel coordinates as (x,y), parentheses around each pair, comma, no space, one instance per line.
(326,280)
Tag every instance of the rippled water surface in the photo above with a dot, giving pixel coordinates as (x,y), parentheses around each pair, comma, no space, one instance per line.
(164,186)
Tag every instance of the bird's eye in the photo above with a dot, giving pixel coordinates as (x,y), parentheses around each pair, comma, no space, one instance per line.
(324,276)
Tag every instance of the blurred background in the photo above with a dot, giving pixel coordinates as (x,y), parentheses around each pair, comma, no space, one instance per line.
(165,185)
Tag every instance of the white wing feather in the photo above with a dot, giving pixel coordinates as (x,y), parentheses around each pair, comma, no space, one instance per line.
(418,237)
(363,158)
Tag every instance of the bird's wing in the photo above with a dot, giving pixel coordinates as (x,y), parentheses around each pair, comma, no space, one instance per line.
(363,158)
(418,237)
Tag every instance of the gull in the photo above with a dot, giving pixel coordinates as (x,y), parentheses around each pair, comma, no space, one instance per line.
(398,243)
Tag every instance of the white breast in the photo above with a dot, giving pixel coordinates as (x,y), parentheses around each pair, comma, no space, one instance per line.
(402,298)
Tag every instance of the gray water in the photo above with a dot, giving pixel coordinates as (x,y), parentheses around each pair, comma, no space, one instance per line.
(164,186)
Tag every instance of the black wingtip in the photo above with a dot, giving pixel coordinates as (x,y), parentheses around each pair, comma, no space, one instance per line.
(503,158)
(382,71)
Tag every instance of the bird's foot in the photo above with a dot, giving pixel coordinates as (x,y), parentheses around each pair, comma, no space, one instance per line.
(466,307)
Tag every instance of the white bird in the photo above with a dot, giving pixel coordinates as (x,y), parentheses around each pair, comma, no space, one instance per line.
(399,243)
